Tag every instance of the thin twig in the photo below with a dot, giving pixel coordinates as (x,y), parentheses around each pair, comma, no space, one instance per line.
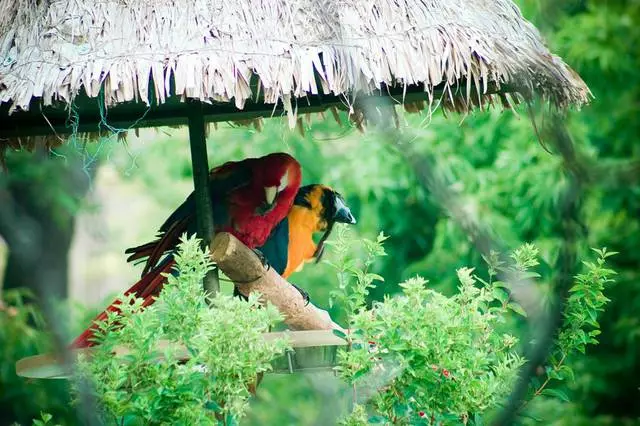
(550,322)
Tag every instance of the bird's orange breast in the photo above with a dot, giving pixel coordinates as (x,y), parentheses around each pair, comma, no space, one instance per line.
(302,224)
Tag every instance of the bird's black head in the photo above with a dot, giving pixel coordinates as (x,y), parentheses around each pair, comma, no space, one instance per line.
(329,207)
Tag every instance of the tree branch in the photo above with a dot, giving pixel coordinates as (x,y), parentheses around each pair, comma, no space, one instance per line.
(243,267)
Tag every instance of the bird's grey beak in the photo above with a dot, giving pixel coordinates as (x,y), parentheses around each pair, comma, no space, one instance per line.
(270,193)
(343,214)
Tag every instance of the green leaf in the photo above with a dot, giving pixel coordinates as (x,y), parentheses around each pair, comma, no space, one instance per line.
(500,284)
(500,294)
(555,393)
(339,333)
(515,307)
(375,277)
(358,374)
(566,372)
(231,420)
(213,406)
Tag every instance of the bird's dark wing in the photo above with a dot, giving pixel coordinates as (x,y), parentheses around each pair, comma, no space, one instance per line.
(223,180)
(276,248)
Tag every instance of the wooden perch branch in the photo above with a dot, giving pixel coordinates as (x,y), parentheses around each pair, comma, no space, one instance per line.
(244,268)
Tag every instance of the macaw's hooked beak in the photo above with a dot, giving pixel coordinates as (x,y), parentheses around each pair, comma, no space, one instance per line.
(343,214)
(270,193)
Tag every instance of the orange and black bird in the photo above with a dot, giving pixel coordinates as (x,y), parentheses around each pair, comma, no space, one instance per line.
(249,198)
(315,209)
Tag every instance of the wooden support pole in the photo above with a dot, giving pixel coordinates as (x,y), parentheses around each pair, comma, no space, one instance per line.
(200,164)
(244,268)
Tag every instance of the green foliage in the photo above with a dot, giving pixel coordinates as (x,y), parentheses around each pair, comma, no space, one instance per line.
(63,173)
(417,358)
(45,419)
(581,326)
(585,304)
(600,40)
(151,383)
(22,334)
(353,274)
(437,355)
(495,163)
(425,358)
(358,417)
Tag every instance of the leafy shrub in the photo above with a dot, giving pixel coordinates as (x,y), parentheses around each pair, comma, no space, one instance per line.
(418,358)
(424,358)
(147,382)
(581,327)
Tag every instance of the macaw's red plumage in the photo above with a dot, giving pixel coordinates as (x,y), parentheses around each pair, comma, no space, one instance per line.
(249,198)
(147,288)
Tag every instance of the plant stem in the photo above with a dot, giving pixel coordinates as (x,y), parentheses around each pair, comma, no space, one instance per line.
(538,391)
(555,368)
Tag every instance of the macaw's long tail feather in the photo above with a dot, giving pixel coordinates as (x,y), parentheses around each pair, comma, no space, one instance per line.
(140,252)
(154,250)
(147,288)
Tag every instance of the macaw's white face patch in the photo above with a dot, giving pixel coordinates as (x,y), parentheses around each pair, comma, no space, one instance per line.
(284,182)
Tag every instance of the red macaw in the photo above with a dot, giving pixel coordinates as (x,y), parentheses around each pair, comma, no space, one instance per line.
(249,198)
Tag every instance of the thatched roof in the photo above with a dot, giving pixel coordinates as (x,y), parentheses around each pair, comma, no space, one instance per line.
(147,51)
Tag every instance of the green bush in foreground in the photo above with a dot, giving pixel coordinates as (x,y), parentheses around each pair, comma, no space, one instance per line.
(417,358)
(150,384)
(424,358)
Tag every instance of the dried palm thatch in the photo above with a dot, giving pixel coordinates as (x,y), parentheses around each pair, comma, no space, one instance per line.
(274,52)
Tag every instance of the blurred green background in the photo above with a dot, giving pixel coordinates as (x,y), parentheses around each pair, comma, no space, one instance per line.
(493,160)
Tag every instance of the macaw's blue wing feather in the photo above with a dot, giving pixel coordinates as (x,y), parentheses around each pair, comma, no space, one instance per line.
(276,248)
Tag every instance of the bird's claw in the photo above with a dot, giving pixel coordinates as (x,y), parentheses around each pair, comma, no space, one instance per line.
(303,293)
(236,293)
(262,258)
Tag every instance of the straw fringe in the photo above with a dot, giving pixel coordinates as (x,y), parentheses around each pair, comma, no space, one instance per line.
(210,50)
